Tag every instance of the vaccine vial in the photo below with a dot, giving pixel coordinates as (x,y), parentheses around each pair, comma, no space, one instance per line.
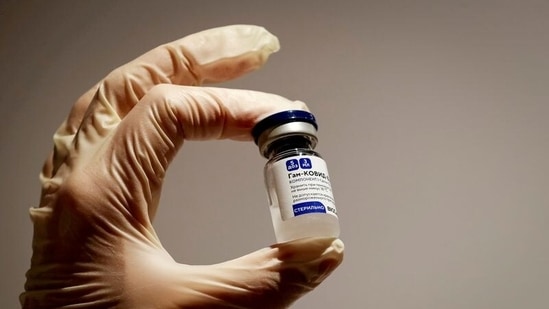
(296,177)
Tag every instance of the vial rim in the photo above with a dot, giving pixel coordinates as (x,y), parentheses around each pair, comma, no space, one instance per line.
(281,118)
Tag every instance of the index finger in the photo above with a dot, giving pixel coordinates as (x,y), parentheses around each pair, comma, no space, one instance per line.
(213,55)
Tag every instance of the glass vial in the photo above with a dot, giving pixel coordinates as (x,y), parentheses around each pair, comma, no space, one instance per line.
(296,177)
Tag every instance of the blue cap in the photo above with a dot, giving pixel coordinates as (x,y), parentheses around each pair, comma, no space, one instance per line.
(281,118)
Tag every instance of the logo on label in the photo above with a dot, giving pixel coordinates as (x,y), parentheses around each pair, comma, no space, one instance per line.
(292,165)
(305,163)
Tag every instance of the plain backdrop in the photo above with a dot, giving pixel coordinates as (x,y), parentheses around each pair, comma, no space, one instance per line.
(433,120)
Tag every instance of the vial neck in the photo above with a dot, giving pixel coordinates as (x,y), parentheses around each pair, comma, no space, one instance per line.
(289,143)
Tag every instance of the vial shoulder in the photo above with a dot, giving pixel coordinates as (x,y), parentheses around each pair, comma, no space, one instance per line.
(297,152)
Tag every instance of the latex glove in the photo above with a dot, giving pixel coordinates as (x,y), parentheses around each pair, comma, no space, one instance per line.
(94,245)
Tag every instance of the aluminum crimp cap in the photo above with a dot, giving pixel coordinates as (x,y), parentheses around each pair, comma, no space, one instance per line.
(283,124)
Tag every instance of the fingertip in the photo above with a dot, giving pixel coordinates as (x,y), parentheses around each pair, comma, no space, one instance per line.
(302,105)
(338,246)
(228,52)
(272,44)
(308,249)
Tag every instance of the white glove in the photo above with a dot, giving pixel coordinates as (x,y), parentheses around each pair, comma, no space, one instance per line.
(94,244)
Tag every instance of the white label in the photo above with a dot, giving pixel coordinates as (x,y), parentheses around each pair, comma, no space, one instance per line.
(302,186)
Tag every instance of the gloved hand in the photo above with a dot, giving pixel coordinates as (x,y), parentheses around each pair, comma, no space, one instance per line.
(94,245)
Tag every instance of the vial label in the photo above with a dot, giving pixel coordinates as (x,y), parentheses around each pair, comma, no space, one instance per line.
(302,187)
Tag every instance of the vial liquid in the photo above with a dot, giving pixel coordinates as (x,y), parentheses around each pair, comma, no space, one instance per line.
(297,180)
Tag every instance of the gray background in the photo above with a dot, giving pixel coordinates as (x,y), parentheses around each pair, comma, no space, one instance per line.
(433,119)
